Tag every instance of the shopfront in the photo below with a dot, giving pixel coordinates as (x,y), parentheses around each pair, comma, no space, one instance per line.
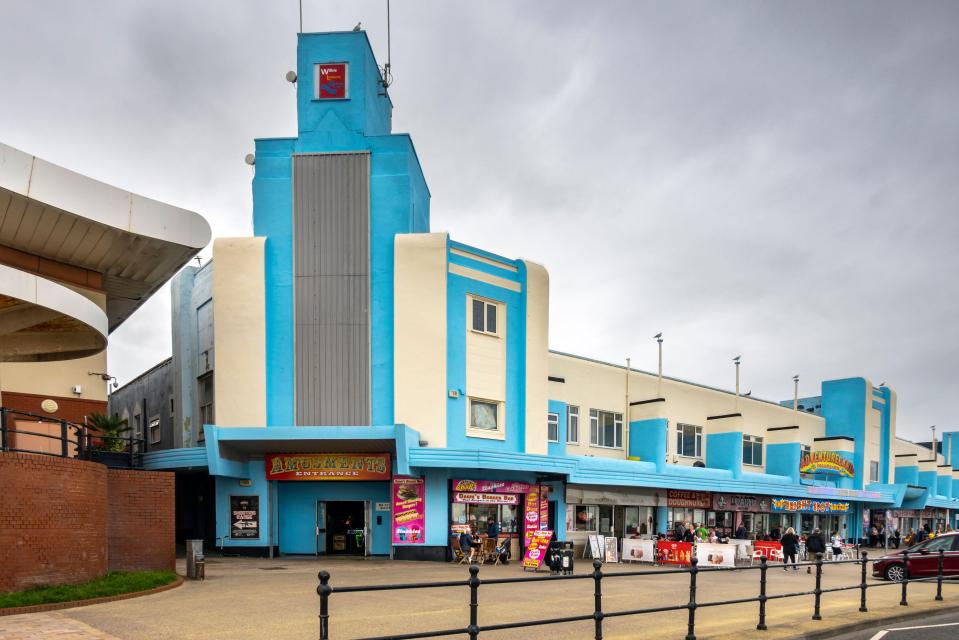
(915,519)
(519,508)
(621,513)
(750,511)
(687,507)
(829,516)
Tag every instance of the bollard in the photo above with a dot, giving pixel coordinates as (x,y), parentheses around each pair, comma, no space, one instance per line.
(762,594)
(324,590)
(598,598)
(691,627)
(862,583)
(473,629)
(816,615)
(939,576)
(905,578)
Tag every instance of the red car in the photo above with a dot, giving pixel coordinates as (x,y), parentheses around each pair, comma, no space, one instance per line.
(923,559)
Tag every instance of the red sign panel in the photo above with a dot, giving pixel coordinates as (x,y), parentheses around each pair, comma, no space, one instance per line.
(331,80)
(536,549)
(674,552)
(690,499)
(765,546)
(328,466)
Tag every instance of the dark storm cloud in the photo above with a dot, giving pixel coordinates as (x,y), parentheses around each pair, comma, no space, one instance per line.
(772,179)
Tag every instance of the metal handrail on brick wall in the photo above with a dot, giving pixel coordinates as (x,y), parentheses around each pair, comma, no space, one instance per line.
(473,628)
(75,440)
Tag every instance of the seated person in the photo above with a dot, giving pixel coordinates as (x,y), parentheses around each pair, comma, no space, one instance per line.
(466,543)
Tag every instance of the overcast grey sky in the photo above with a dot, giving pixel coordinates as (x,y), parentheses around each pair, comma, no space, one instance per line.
(771,179)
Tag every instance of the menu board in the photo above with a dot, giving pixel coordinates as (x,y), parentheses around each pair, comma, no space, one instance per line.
(612,549)
(536,549)
(636,550)
(244,516)
(674,552)
(409,510)
(716,555)
(593,544)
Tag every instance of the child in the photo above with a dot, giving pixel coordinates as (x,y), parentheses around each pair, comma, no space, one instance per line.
(836,546)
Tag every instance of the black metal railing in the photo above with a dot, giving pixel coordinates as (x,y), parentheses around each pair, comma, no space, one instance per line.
(19,435)
(473,628)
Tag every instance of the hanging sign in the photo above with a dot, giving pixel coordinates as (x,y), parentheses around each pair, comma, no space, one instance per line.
(244,516)
(536,549)
(331,80)
(806,505)
(409,510)
(834,462)
(328,466)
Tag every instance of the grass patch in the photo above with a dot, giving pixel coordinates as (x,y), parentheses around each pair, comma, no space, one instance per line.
(113,583)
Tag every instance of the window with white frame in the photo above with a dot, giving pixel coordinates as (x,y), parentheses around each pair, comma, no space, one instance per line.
(752,450)
(572,425)
(484,316)
(552,427)
(605,428)
(154,430)
(689,440)
(484,415)
(873,471)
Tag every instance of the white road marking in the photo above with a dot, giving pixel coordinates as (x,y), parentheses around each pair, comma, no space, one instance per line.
(928,626)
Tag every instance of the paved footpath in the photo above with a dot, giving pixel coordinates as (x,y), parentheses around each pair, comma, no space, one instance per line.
(259,598)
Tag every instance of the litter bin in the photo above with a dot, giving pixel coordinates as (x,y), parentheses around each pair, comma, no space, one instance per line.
(566,561)
(199,567)
(194,548)
(554,557)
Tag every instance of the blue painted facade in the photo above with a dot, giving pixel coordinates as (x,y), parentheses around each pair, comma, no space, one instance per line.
(399,204)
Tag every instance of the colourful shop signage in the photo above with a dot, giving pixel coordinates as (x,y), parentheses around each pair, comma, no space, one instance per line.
(692,499)
(493,486)
(765,546)
(331,80)
(536,549)
(835,462)
(809,506)
(478,497)
(531,523)
(674,552)
(328,466)
(740,502)
(409,510)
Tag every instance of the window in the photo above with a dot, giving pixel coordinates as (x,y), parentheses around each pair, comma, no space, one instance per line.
(689,440)
(484,414)
(154,430)
(586,518)
(873,471)
(484,316)
(572,425)
(605,428)
(752,450)
(479,514)
(552,427)
(205,399)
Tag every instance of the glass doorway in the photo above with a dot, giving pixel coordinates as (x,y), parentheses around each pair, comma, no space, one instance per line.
(342,527)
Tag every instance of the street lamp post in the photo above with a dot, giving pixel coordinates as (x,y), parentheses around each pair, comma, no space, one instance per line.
(659,378)
(736,361)
(796,392)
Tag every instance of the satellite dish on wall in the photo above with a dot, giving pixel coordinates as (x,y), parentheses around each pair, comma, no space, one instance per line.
(291,76)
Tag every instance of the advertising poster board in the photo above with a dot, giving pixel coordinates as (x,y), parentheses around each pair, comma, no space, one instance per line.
(765,547)
(244,516)
(409,510)
(543,506)
(636,550)
(328,466)
(536,549)
(593,546)
(716,555)
(674,552)
(612,549)
(530,515)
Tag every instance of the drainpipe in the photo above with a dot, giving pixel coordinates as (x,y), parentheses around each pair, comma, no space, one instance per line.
(626,415)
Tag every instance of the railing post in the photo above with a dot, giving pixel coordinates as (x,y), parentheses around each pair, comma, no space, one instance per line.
(598,598)
(905,577)
(132,454)
(64,440)
(80,434)
(691,626)
(816,615)
(4,442)
(762,594)
(864,558)
(939,576)
(324,590)
(473,629)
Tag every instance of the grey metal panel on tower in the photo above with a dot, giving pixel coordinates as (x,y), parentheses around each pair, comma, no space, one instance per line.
(331,268)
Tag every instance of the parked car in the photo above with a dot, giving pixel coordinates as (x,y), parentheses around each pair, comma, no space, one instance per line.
(923,559)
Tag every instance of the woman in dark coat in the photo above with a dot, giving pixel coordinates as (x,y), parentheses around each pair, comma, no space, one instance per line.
(790,543)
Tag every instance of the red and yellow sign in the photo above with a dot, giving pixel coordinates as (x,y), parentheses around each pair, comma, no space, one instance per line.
(331,80)
(328,466)
(827,461)
(536,549)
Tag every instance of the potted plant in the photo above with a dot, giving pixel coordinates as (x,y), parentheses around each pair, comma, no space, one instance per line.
(107,441)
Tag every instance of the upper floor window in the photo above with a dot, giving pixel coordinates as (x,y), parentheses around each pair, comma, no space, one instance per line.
(873,471)
(752,450)
(154,429)
(605,428)
(205,401)
(572,425)
(689,440)
(484,316)
(484,414)
(552,427)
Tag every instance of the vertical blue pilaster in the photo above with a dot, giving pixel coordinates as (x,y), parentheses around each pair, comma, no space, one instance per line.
(647,441)
(725,451)
(661,524)
(783,459)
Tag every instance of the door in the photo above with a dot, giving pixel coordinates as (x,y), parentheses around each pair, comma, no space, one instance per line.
(320,527)
(367,529)
(925,561)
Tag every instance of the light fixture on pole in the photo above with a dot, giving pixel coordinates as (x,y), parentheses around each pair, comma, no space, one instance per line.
(796,392)
(934,452)
(736,361)
(659,378)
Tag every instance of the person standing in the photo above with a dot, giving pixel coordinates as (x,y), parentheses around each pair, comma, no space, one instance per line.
(836,546)
(702,533)
(741,532)
(816,545)
(492,528)
(790,543)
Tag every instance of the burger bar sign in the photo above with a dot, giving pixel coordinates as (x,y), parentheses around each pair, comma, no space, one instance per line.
(833,462)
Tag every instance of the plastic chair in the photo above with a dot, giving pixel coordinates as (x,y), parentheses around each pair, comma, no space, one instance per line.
(757,555)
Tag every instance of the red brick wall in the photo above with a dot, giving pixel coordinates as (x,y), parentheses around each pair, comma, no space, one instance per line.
(141,527)
(53,520)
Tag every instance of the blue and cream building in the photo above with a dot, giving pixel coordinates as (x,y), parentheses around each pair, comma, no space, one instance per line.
(346,325)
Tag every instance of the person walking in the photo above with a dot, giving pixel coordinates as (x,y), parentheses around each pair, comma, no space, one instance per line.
(815,545)
(836,546)
(790,543)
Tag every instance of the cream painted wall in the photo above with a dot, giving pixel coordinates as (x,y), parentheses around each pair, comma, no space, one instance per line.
(59,378)
(239,332)
(419,347)
(537,358)
(486,366)
(591,384)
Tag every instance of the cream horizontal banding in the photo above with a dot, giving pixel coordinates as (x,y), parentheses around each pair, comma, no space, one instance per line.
(473,274)
(484,259)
